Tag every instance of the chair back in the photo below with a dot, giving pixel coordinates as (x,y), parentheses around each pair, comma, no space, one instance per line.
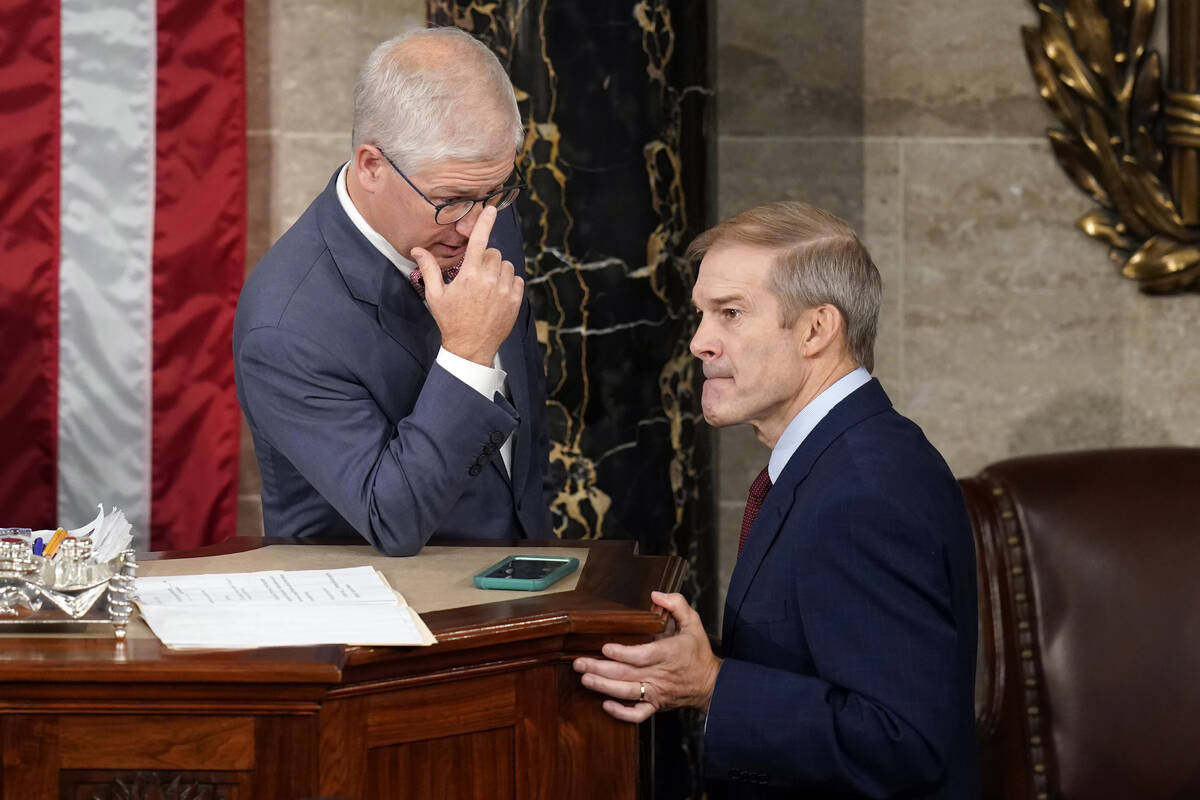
(1089,663)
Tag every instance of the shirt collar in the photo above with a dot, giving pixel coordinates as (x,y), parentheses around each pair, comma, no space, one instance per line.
(373,236)
(804,422)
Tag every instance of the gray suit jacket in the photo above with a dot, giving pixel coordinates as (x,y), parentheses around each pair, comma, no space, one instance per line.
(355,426)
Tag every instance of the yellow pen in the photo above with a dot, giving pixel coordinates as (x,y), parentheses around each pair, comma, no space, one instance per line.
(55,541)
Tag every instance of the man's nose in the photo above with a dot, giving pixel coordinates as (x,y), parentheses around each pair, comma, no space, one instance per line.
(703,345)
(467,224)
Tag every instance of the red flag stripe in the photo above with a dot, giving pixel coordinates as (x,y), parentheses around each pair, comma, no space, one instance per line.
(29,249)
(199,263)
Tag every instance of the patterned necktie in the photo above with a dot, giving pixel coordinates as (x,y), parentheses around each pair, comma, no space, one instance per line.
(754,501)
(418,283)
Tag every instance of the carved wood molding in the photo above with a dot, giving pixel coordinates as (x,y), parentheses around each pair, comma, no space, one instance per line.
(147,785)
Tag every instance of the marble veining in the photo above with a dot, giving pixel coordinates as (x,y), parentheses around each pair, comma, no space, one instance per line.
(615,155)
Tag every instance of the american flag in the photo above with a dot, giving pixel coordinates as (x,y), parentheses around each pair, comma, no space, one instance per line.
(122,250)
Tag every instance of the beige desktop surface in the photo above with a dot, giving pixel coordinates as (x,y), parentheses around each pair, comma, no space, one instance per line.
(436,578)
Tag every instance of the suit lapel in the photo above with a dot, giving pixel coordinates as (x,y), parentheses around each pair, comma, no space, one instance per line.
(404,317)
(866,401)
(506,238)
(373,279)
(762,533)
(512,358)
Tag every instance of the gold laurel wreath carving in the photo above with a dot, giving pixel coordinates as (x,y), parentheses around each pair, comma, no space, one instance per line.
(1092,68)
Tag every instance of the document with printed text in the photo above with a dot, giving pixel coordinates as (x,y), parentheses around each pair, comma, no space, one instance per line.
(275,608)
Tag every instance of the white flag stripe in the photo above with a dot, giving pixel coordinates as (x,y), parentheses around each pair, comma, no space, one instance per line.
(109,57)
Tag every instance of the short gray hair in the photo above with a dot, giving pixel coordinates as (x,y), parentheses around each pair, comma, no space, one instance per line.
(820,260)
(421,94)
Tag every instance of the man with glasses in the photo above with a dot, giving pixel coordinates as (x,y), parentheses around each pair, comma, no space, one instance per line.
(385,402)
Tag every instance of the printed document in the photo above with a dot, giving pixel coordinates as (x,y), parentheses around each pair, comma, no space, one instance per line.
(275,608)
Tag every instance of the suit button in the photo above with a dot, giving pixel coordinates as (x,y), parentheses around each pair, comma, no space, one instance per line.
(497,437)
(474,470)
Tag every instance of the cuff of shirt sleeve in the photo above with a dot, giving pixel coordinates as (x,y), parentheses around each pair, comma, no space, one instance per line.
(485,380)
(704,732)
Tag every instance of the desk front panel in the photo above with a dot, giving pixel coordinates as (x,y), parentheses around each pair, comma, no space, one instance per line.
(493,710)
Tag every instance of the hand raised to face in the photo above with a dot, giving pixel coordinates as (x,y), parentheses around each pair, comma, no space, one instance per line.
(476,312)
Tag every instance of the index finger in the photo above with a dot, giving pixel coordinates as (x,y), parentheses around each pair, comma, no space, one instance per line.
(478,242)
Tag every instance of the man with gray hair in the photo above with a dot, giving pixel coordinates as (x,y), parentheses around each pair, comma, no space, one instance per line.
(385,354)
(847,663)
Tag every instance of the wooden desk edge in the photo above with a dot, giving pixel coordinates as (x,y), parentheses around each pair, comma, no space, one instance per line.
(606,601)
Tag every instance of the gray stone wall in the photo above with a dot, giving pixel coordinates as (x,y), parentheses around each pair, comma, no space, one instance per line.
(1005,330)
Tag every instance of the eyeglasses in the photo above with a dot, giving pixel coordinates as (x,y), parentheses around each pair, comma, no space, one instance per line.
(452,211)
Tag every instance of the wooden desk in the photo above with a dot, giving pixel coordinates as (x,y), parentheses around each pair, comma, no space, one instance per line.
(493,710)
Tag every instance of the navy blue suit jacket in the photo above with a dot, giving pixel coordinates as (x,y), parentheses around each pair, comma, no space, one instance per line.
(850,624)
(356,427)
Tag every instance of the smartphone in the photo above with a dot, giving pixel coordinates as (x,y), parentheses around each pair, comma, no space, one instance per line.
(528,573)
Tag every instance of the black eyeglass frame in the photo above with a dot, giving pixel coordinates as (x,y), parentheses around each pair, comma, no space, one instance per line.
(512,192)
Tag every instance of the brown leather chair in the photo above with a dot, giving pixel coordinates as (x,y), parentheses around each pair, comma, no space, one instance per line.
(1089,584)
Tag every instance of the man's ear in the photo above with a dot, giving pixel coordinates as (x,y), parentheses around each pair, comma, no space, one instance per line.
(369,167)
(819,329)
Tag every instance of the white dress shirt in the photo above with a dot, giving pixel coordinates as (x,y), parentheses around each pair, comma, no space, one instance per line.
(804,422)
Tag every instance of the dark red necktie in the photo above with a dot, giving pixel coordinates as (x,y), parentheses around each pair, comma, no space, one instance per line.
(754,501)
(418,283)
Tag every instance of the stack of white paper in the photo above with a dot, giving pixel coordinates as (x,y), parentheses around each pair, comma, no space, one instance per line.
(352,606)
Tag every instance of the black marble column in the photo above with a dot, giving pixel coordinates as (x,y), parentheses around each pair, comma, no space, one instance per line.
(617,156)
(617,153)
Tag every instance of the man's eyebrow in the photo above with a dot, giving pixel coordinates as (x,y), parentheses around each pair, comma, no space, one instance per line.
(450,191)
(458,191)
(726,299)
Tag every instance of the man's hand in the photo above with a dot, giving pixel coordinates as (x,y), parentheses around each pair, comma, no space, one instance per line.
(676,670)
(475,312)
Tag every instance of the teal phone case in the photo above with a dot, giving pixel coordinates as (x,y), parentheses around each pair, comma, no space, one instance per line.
(484,579)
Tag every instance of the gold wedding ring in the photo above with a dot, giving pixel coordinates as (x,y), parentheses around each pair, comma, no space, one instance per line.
(642,694)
